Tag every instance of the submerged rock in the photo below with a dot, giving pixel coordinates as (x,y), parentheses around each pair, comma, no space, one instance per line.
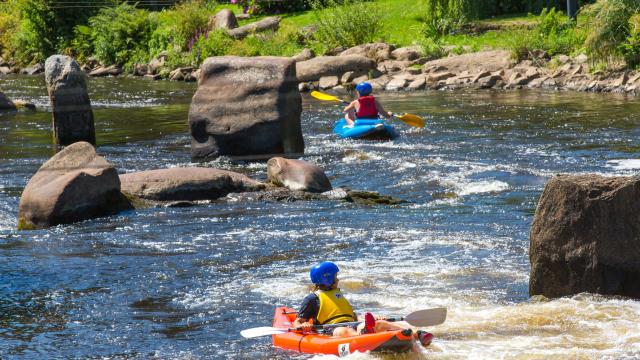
(297,175)
(6,104)
(247,107)
(75,184)
(186,184)
(280,194)
(585,237)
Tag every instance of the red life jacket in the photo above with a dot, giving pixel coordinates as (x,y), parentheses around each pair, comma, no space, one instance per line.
(367,108)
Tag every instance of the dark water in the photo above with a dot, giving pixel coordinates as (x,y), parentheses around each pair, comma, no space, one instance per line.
(168,283)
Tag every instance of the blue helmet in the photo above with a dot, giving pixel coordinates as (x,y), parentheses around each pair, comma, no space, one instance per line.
(364,88)
(324,273)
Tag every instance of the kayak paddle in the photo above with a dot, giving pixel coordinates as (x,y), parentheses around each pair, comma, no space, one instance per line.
(428,317)
(409,119)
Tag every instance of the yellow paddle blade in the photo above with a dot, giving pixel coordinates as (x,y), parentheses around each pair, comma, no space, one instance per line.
(410,119)
(326,97)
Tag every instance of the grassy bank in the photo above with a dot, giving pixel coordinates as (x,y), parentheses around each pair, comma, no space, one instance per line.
(609,31)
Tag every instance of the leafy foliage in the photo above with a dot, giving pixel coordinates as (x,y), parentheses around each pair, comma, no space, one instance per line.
(554,32)
(608,24)
(346,23)
(120,34)
(446,16)
(631,47)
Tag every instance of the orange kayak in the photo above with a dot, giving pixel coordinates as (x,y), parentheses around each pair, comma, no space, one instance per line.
(315,343)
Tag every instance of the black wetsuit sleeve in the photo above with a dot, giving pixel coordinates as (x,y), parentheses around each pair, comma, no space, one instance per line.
(309,308)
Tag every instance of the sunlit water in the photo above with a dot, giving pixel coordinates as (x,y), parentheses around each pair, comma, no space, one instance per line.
(168,283)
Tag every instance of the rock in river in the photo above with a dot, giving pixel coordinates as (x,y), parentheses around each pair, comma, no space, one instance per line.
(67,88)
(297,175)
(75,184)
(246,107)
(177,184)
(585,237)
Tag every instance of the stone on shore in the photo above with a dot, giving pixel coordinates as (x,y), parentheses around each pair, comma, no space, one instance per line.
(314,69)
(247,107)
(494,60)
(268,23)
(75,184)
(375,51)
(585,237)
(409,53)
(304,55)
(67,88)
(189,184)
(297,175)
(224,19)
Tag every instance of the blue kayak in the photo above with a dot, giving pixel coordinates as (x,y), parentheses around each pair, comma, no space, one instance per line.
(372,129)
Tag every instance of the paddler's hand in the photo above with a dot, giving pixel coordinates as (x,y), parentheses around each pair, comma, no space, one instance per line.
(380,317)
(307,326)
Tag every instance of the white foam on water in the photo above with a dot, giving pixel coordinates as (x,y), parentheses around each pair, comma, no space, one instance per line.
(624,164)
(482,187)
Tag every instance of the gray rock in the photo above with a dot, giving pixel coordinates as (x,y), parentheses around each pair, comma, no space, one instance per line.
(375,51)
(585,237)
(406,53)
(396,84)
(224,19)
(304,55)
(67,88)
(489,81)
(74,185)
(247,107)
(581,59)
(418,84)
(314,69)
(328,82)
(268,23)
(297,175)
(185,184)
(33,69)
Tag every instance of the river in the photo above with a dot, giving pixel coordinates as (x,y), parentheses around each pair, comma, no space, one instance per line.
(180,283)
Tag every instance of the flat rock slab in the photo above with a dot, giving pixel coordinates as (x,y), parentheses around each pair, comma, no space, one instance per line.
(314,69)
(494,60)
(187,184)
(75,184)
(279,194)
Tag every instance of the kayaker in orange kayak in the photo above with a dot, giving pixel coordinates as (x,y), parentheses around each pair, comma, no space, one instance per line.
(327,305)
(365,107)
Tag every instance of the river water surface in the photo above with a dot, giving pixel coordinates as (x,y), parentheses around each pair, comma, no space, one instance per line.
(180,283)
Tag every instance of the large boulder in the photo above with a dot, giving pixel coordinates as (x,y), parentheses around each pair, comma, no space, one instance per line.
(297,175)
(75,184)
(247,107)
(224,19)
(377,51)
(585,237)
(314,69)
(67,88)
(186,184)
(6,104)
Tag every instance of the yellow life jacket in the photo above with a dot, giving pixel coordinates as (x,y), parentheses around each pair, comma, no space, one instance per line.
(334,308)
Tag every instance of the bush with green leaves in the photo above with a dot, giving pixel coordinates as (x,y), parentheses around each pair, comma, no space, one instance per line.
(631,47)
(608,24)
(119,34)
(443,17)
(554,33)
(346,23)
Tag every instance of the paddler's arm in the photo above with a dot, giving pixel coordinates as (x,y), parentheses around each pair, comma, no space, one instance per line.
(382,111)
(350,113)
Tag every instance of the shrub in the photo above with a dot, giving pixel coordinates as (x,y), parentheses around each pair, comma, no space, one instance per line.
(346,23)
(119,34)
(272,6)
(432,48)
(608,26)
(447,16)
(631,48)
(554,32)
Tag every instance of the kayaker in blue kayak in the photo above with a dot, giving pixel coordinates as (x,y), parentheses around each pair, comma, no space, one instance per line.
(327,305)
(365,107)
